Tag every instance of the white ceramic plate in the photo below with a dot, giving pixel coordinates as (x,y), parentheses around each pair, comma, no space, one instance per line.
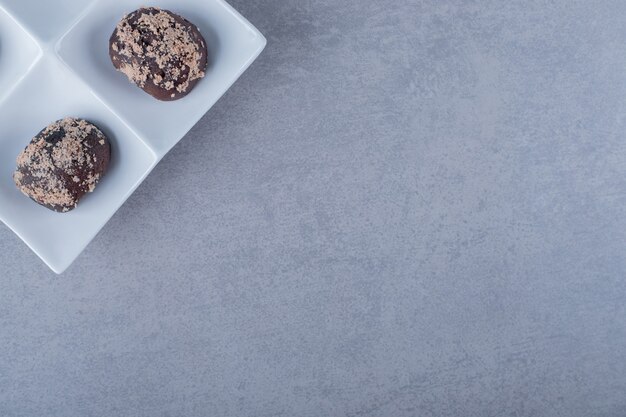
(54,63)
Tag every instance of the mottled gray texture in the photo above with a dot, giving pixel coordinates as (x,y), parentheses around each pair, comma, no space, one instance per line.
(405,208)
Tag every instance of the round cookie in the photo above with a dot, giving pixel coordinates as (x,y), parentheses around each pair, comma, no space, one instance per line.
(159,51)
(62,163)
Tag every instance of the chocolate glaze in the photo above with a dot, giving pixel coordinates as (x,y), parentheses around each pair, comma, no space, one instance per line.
(62,163)
(161,52)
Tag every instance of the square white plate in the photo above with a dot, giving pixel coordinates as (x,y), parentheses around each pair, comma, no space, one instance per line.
(63,69)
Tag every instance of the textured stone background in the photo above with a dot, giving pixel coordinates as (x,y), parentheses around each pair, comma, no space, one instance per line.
(404,208)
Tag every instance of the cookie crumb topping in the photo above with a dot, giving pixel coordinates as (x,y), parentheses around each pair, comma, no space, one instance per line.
(49,169)
(155,47)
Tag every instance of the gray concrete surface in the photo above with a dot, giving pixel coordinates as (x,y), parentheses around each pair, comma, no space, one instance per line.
(404,208)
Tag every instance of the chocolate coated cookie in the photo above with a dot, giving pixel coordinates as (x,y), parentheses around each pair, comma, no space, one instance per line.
(63,163)
(161,52)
